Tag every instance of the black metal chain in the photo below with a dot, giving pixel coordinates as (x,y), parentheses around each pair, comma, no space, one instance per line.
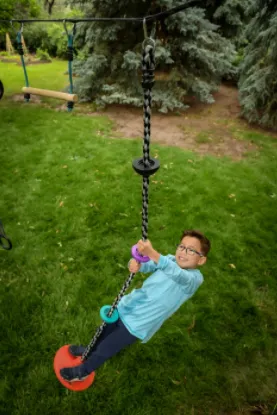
(148,68)
(100,329)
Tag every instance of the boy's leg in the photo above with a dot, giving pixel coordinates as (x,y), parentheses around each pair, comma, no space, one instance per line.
(79,350)
(117,340)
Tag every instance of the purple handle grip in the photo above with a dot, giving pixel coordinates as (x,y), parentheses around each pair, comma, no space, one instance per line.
(136,255)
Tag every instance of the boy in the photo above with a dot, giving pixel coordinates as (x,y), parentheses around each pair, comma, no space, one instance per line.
(142,312)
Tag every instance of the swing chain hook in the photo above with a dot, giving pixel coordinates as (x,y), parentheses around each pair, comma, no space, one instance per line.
(21,27)
(74,29)
(65,27)
(66,30)
(14,29)
(149,39)
(145,29)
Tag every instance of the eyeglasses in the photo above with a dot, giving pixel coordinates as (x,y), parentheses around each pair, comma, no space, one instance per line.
(189,251)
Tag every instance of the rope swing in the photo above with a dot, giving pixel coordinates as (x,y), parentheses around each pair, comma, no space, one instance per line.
(145,166)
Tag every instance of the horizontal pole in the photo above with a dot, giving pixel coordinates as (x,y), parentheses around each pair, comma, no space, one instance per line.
(86,19)
(150,18)
(50,94)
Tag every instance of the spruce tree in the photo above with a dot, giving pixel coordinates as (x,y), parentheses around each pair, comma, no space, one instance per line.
(258,75)
(191,56)
(230,15)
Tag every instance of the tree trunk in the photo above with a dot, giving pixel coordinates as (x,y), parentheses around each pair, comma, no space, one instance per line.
(48,4)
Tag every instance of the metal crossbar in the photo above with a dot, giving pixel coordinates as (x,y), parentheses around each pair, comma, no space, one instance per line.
(150,18)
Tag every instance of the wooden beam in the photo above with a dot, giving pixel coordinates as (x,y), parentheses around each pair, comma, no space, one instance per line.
(24,45)
(9,46)
(51,94)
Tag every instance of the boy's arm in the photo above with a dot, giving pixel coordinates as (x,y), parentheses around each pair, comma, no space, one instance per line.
(149,266)
(191,279)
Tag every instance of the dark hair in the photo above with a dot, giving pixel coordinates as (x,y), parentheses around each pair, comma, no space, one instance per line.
(205,243)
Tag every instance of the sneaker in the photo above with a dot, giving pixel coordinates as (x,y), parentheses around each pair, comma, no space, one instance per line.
(76,350)
(73,374)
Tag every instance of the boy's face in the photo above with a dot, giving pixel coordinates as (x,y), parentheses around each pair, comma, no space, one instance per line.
(191,257)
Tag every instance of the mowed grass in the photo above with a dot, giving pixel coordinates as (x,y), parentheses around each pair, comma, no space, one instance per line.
(71,204)
(45,76)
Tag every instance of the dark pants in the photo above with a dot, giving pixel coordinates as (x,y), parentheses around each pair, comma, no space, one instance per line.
(114,338)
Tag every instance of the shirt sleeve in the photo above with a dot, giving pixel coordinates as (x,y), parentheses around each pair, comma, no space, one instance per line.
(190,279)
(149,266)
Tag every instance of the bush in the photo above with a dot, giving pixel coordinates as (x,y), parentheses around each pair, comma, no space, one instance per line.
(48,37)
(55,42)
(43,55)
(4,53)
(34,35)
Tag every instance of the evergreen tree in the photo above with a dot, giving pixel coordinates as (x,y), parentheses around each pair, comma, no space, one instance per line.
(230,15)
(258,78)
(191,56)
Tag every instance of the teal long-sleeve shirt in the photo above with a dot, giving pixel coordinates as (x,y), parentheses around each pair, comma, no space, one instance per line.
(144,310)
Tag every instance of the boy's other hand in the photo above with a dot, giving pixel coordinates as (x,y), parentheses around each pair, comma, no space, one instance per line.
(134,266)
(145,247)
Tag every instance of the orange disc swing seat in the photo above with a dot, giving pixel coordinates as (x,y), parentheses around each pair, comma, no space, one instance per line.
(64,359)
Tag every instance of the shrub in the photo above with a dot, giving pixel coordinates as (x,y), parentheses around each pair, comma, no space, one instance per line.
(43,55)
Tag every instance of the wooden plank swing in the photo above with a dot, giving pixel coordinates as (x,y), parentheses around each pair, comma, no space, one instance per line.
(70,97)
(52,94)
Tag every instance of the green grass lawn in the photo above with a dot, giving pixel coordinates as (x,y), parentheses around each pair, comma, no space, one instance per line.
(46,76)
(71,204)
